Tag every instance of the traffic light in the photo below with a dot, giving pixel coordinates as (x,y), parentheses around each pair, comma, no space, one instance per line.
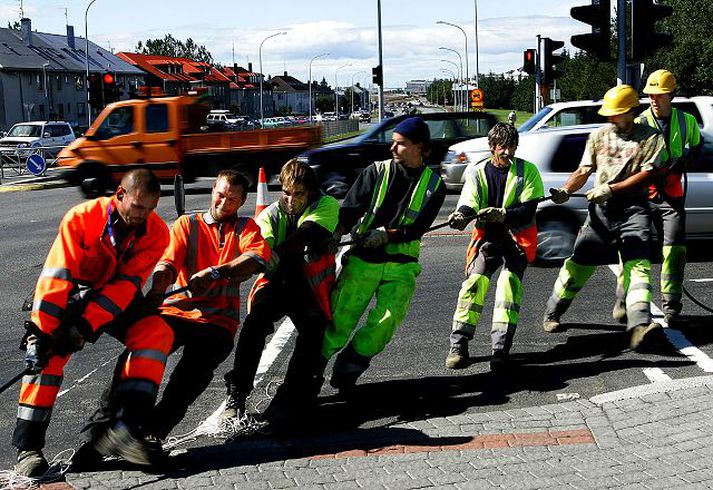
(644,38)
(528,61)
(550,59)
(110,88)
(598,15)
(96,94)
(377,76)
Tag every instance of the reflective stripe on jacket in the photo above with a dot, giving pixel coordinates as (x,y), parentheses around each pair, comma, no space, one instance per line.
(683,130)
(82,255)
(523,183)
(318,270)
(195,246)
(422,192)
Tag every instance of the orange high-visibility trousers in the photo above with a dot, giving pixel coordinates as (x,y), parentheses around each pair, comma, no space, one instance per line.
(149,343)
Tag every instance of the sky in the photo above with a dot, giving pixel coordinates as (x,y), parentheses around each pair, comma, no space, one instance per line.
(347,30)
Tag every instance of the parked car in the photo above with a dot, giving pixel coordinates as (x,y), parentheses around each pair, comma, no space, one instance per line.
(557,153)
(338,164)
(585,112)
(567,114)
(23,138)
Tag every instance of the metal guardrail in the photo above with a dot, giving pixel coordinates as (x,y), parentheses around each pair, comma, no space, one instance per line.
(15,159)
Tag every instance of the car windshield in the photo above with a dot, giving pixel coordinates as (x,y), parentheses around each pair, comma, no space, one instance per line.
(24,130)
(530,123)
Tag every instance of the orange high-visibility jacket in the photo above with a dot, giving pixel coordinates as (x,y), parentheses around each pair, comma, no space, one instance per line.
(82,255)
(196,245)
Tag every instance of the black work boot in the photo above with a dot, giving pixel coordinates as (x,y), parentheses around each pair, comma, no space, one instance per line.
(119,441)
(499,361)
(86,458)
(347,369)
(457,357)
(31,463)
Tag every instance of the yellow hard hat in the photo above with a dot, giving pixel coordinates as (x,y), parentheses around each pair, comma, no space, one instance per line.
(660,82)
(619,100)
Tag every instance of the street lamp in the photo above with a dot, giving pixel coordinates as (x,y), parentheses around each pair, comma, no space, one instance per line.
(465,36)
(460,59)
(352,87)
(453,75)
(259,55)
(336,89)
(44,80)
(310,82)
(477,45)
(86,60)
(455,99)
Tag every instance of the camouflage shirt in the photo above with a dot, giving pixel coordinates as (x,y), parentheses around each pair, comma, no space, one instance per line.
(616,157)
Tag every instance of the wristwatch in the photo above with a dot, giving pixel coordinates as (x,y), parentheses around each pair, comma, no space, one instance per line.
(214,273)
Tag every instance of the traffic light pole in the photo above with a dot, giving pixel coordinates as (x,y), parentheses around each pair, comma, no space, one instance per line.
(621,42)
(538,76)
(381,61)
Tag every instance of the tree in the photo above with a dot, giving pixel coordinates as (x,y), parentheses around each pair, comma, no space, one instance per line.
(690,57)
(584,77)
(523,97)
(440,92)
(324,103)
(175,48)
(497,91)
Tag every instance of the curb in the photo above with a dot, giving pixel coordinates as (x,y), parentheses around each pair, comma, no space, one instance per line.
(32,186)
(651,389)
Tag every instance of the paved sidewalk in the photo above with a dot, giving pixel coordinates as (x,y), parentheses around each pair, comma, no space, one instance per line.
(653,436)
(12,182)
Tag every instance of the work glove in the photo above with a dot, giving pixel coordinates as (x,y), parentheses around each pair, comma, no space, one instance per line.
(560,195)
(492,215)
(37,354)
(600,194)
(331,245)
(374,238)
(458,220)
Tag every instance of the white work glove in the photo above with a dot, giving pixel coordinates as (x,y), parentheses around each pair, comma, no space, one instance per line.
(458,220)
(492,215)
(600,194)
(560,195)
(374,238)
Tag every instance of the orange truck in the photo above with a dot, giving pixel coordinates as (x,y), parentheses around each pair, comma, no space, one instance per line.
(164,135)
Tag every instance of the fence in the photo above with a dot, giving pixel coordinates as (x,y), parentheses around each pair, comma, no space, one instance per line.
(15,159)
(337,128)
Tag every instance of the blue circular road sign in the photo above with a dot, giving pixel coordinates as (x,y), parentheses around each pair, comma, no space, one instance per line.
(36,165)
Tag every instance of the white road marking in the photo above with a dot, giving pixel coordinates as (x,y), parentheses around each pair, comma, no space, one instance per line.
(705,279)
(86,376)
(656,375)
(677,339)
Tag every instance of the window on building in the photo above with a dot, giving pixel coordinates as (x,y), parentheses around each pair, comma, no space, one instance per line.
(59,82)
(69,108)
(40,81)
(81,109)
(157,118)
(60,110)
(41,109)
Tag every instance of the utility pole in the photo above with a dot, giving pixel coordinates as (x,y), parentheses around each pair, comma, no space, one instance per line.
(538,77)
(621,40)
(381,62)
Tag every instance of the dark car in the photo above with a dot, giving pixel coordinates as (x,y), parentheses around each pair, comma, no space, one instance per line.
(338,164)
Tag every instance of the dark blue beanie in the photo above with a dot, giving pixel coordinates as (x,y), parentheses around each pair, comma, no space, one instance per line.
(414,129)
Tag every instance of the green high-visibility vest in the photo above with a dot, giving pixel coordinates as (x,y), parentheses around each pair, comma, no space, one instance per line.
(683,127)
(427,185)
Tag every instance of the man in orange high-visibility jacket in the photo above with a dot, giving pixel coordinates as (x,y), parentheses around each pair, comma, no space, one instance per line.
(99,261)
(213,253)
(297,285)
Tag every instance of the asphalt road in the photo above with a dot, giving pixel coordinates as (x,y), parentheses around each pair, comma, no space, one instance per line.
(408,380)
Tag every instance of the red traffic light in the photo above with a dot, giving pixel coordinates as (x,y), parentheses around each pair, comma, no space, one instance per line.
(108,78)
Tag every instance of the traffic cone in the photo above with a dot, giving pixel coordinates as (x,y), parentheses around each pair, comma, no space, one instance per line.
(261,202)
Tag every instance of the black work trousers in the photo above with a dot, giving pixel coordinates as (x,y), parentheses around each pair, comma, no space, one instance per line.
(304,376)
(205,347)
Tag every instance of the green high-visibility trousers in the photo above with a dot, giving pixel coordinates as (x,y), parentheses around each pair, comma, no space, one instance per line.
(392,283)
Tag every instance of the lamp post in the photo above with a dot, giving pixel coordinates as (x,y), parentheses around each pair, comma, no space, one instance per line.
(259,55)
(336,89)
(86,60)
(453,75)
(310,82)
(352,87)
(460,77)
(465,36)
(460,59)
(44,82)
(477,45)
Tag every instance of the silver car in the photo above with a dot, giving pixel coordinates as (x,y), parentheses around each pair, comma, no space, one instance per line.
(557,152)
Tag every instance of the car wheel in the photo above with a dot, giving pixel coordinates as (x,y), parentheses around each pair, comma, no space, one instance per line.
(93,179)
(555,241)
